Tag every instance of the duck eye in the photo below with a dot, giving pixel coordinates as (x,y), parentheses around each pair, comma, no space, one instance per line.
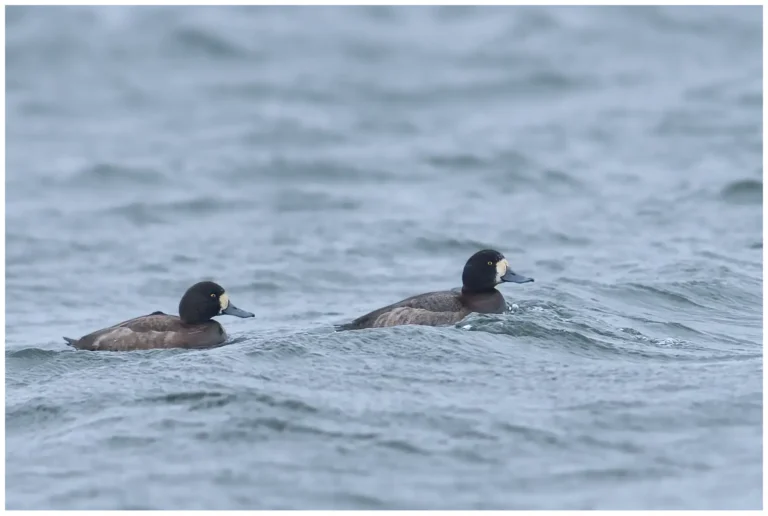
(490,263)
(213,295)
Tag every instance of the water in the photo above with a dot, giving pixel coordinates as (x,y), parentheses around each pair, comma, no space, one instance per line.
(320,163)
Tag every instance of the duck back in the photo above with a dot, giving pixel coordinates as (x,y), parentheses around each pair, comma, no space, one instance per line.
(154,331)
(431,309)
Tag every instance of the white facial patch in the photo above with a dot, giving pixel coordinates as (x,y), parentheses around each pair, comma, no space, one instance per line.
(224,301)
(501,269)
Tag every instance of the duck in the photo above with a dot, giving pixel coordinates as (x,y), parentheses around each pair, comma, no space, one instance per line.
(193,328)
(482,273)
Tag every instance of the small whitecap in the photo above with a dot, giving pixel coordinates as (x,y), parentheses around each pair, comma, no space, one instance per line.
(467,327)
(634,333)
(669,341)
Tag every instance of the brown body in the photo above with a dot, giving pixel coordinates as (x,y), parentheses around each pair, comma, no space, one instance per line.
(432,309)
(153,331)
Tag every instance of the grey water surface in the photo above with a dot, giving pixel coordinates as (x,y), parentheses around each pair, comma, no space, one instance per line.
(323,162)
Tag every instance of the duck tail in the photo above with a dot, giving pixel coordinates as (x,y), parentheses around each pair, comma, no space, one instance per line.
(70,342)
(347,326)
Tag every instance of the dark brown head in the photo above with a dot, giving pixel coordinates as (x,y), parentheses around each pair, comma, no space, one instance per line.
(486,269)
(205,300)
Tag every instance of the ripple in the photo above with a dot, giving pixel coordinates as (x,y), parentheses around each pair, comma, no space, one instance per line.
(183,397)
(145,213)
(34,414)
(745,191)
(130,441)
(244,426)
(533,434)
(300,201)
(34,353)
(277,349)
(403,446)
(321,171)
(447,244)
(194,41)
(203,400)
(458,161)
(676,298)
(112,175)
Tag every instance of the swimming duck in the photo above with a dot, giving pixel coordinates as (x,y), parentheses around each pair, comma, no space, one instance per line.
(482,272)
(192,329)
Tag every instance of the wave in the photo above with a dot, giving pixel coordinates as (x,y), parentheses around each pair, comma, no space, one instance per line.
(201,400)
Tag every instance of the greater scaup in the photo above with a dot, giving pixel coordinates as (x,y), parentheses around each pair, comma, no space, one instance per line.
(193,329)
(482,272)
